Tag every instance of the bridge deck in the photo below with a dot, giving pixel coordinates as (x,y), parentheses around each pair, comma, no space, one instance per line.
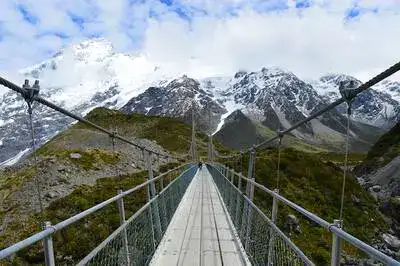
(200,232)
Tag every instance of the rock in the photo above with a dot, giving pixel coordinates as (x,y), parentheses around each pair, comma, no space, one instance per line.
(61,168)
(391,241)
(53,183)
(75,156)
(376,188)
(355,200)
(51,194)
(292,224)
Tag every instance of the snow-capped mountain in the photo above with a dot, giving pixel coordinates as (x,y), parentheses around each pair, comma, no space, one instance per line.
(272,96)
(378,106)
(79,78)
(175,99)
(90,74)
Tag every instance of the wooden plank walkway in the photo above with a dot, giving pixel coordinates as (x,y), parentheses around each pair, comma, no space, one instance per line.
(200,232)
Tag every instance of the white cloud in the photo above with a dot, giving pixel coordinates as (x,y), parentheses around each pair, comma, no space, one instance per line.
(210,37)
(310,43)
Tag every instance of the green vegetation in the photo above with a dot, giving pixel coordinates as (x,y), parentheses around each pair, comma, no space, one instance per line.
(172,134)
(78,239)
(383,151)
(315,183)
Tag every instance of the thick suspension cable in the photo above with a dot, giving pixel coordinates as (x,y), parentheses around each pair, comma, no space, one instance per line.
(59,109)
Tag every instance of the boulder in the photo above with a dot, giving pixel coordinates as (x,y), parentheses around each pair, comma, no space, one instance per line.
(51,194)
(75,156)
(355,200)
(376,188)
(292,224)
(391,241)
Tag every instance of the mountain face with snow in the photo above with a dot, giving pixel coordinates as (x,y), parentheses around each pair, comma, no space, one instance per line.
(89,74)
(378,106)
(276,98)
(175,99)
(78,78)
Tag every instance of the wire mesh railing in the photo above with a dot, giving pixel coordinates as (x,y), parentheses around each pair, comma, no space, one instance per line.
(276,255)
(138,236)
(135,241)
(263,242)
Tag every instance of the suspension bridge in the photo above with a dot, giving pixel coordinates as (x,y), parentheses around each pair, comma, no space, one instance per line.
(205,215)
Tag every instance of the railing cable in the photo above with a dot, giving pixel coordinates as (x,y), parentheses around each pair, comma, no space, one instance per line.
(31,92)
(279,161)
(114,153)
(346,155)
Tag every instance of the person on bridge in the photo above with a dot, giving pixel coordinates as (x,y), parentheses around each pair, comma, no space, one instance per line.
(200,165)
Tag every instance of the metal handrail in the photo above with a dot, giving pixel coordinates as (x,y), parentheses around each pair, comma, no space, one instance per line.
(271,224)
(52,229)
(93,253)
(330,226)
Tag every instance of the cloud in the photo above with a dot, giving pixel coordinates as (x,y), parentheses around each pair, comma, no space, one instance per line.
(212,37)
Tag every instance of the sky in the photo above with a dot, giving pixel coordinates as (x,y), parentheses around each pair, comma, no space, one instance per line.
(212,37)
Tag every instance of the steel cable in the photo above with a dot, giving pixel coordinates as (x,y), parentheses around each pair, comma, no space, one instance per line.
(345,164)
(36,161)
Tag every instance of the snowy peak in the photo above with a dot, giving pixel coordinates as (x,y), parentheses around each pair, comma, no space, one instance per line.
(336,79)
(86,52)
(377,106)
(91,50)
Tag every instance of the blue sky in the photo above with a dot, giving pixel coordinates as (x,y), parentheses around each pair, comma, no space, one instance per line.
(307,37)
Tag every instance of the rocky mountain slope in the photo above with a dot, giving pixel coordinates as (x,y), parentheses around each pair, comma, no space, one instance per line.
(89,74)
(273,97)
(379,174)
(379,106)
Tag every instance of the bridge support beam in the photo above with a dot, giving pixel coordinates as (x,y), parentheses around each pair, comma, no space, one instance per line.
(48,247)
(274,218)
(336,245)
(275,207)
(121,209)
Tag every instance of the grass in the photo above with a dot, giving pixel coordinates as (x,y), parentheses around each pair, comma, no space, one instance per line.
(78,239)
(315,184)
(384,150)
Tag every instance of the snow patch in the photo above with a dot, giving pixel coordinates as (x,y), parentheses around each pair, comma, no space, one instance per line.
(230,106)
(14,159)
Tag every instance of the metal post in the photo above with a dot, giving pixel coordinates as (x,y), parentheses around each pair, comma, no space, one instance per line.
(271,245)
(246,205)
(336,245)
(153,193)
(162,197)
(232,191)
(249,216)
(121,209)
(238,202)
(48,247)
(275,207)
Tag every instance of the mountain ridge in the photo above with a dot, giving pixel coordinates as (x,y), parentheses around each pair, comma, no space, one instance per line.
(90,74)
